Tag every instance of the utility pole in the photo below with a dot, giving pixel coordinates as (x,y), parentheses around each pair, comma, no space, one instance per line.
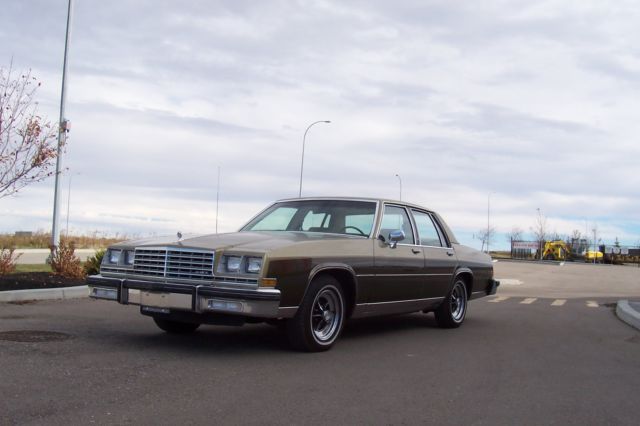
(400,180)
(488,221)
(68,204)
(304,140)
(217,198)
(62,138)
(595,253)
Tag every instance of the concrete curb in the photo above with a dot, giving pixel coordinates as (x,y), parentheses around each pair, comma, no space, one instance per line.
(45,294)
(629,312)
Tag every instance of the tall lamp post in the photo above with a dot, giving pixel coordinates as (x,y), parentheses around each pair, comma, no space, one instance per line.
(304,138)
(69,202)
(62,138)
(488,220)
(400,180)
(217,198)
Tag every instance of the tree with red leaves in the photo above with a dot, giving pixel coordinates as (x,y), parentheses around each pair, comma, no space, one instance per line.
(27,141)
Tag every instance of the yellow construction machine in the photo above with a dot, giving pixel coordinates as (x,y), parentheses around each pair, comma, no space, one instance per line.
(556,250)
(590,256)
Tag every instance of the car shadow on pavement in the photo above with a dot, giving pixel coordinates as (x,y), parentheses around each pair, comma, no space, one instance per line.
(248,339)
(256,339)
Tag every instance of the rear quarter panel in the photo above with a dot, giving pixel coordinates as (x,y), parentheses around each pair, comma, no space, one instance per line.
(478,262)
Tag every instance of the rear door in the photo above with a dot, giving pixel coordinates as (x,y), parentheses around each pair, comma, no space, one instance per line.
(439,258)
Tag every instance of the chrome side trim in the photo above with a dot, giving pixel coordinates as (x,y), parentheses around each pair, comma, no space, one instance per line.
(404,275)
(395,307)
(400,301)
(287,311)
(477,294)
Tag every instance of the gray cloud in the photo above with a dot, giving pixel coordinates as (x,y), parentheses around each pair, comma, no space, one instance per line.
(461,99)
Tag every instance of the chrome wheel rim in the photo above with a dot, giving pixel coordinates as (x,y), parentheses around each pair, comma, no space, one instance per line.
(326,315)
(458,302)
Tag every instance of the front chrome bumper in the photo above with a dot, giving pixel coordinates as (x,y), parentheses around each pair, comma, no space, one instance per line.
(163,298)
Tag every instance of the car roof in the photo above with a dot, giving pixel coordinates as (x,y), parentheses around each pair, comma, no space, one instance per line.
(383,200)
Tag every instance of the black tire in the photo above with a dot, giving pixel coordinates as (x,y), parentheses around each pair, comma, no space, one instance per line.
(451,313)
(175,327)
(320,318)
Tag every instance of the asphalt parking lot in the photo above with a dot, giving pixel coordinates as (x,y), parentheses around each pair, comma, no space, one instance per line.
(547,349)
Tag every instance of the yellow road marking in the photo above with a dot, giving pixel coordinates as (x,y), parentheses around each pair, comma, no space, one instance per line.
(592,304)
(498,299)
(529,300)
(558,302)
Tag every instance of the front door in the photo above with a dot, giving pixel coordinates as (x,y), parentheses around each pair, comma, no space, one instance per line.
(399,271)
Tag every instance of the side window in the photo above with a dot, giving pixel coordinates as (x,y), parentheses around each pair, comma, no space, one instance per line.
(395,218)
(364,223)
(427,231)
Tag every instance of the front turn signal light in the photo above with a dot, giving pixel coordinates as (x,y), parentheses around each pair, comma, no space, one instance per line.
(268,282)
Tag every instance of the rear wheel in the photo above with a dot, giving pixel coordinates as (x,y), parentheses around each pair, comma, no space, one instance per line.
(320,318)
(451,313)
(175,327)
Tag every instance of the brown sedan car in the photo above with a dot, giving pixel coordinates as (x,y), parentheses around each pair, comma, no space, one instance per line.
(306,263)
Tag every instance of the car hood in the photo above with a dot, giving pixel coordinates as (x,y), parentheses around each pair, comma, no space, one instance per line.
(247,241)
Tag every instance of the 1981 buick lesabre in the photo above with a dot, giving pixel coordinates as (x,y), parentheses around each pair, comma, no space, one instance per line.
(306,263)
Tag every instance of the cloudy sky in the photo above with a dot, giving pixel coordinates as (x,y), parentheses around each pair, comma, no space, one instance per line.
(535,103)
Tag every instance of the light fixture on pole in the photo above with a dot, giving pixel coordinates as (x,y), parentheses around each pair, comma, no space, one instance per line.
(400,180)
(304,138)
(62,138)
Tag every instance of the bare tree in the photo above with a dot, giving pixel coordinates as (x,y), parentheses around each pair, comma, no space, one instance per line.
(515,234)
(539,229)
(576,235)
(483,234)
(27,141)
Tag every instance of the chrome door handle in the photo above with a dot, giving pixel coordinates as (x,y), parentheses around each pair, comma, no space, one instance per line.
(449,253)
(415,251)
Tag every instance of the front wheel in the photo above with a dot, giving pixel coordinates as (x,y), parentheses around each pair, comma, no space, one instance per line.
(451,313)
(175,327)
(320,318)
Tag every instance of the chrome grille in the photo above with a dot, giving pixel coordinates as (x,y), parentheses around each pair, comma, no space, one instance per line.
(174,263)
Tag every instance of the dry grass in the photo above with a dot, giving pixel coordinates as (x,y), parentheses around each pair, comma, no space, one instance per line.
(7,260)
(64,261)
(42,239)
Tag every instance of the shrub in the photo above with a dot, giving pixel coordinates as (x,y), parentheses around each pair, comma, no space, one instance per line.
(7,261)
(64,261)
(92,266)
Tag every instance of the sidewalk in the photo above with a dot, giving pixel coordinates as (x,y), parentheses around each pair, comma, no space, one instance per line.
(39,256)
(629,312)
(44,294)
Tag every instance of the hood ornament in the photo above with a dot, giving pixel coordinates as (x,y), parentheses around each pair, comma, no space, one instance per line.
(179,235)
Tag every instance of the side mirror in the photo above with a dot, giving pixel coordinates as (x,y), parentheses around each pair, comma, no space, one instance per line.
(394,237)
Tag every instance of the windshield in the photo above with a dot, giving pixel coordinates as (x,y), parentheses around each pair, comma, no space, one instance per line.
(328,216)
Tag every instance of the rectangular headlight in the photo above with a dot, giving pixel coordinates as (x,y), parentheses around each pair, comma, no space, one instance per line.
(254,264)
(114,256)
(232,263)
(129,256)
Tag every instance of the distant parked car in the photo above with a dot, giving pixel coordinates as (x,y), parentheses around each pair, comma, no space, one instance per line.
(307,263)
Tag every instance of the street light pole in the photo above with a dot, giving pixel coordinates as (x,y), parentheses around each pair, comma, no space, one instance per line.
(595,253)
(217,198)
(68,204)
(400,180)
(488,220)
(304,138)
(62,137)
